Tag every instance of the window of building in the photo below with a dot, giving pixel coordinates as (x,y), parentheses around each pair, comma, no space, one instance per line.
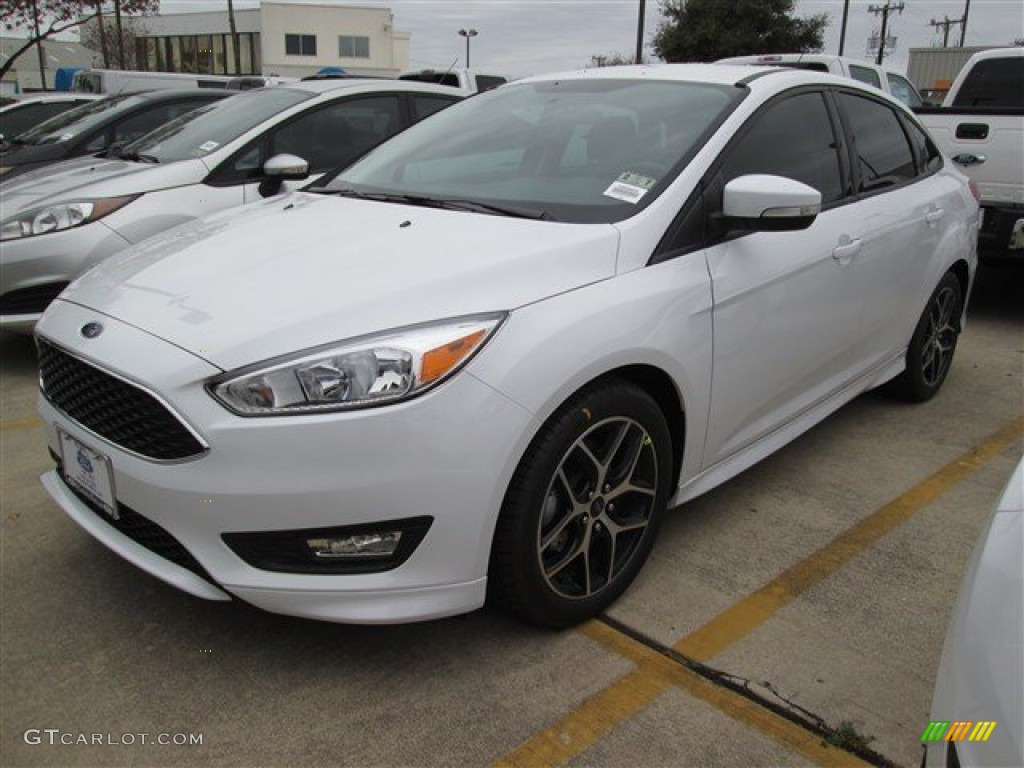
(350,47)
(300,45)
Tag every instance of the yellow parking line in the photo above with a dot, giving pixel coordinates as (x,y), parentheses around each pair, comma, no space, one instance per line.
(742,618)
(654,674)
(19,425)
(617,702)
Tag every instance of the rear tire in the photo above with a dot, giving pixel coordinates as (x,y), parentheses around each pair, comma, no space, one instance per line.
(583,508)
(931,349)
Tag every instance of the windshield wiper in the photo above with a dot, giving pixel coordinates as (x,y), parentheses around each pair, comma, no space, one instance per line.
(452,204)
(117,150)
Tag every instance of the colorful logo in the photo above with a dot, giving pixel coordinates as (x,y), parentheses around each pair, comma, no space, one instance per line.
(958,730)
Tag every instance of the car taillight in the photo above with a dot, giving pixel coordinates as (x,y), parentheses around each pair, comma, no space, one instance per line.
(974,190)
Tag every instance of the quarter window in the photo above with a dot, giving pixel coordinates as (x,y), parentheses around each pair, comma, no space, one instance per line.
(300,45)
(791,138)
(883,156)
(350,47)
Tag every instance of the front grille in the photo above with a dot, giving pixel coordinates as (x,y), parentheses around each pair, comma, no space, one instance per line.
(142,531)
(29,301)
(114,409)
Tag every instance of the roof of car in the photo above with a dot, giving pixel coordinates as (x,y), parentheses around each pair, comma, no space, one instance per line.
(717,74)
(365,84)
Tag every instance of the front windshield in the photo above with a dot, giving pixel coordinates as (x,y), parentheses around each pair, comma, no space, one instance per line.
(576,150)
(77,121)
(205,130)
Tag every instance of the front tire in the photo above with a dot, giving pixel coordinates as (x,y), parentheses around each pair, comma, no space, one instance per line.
(582,511)
(931,349)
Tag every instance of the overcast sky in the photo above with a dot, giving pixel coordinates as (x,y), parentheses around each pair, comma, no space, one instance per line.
(521,37)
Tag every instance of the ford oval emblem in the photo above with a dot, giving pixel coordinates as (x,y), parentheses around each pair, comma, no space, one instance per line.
(91,330)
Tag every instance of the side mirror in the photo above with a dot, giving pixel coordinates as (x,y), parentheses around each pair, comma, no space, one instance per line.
(763,203)
(279,169)
(286,168)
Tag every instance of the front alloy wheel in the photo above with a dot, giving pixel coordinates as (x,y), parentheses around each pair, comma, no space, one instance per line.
(583,508)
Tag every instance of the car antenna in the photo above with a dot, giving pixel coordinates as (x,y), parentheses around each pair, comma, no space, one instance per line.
(450,68)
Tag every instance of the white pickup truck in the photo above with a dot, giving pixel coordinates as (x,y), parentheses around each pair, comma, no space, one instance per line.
(980,125)
(469,81)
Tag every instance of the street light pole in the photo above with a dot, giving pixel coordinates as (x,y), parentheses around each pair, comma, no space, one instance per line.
(467,33)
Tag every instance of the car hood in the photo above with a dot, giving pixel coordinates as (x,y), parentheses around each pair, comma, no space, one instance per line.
(283,275)
(89,177)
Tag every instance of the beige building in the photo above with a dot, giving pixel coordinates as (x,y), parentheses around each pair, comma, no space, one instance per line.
(289,39)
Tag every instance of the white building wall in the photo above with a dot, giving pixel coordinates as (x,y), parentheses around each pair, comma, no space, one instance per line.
(205,23)
(389,51)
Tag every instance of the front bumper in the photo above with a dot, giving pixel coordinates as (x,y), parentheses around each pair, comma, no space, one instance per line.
(448,454)
(34,265)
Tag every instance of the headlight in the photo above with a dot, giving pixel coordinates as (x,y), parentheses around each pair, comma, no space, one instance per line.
(53,218)
(360,373)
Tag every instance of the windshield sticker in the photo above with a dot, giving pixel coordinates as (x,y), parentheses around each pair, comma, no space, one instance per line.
(208,146)
(630,187)
(66,136)
(636,180)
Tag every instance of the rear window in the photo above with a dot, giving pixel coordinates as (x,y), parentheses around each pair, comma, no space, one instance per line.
(427,76)
(865,75)
(993,83)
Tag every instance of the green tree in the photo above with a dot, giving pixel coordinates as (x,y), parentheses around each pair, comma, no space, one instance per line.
(707,30)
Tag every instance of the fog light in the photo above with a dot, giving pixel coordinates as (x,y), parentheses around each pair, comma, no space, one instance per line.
(362,548)
(363,545)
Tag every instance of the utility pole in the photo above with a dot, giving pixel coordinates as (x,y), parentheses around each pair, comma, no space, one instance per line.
(946,23)
(640,35)
(842,29)
(884,10)
(963,23)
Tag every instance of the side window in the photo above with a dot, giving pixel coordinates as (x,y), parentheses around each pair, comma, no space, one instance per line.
(149,120)
(792,138)
(993,83)
(29,116)
(339,133)
(865,75)
(486,82)
(882,153)
(424,106)
(903,90)
(929,158)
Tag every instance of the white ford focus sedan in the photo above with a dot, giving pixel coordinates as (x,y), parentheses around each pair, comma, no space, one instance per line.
(482,361)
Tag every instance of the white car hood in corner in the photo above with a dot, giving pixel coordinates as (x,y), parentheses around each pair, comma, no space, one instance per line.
(283,275)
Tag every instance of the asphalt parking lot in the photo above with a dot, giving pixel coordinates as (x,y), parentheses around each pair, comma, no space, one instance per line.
(808,595)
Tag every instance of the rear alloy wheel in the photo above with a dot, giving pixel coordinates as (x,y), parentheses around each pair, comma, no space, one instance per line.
(583,508)
(931,349)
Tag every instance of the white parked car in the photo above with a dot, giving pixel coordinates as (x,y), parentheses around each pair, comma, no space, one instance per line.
(486,358)
(60,220)
(978,702)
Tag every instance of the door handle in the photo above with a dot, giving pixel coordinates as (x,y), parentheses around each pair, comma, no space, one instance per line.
(933,217)
(843,253)
(969,158)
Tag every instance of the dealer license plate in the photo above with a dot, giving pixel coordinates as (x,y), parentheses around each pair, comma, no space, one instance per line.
(89,472)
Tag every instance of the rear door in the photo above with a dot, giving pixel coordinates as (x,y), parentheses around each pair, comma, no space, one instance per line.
(904,210)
